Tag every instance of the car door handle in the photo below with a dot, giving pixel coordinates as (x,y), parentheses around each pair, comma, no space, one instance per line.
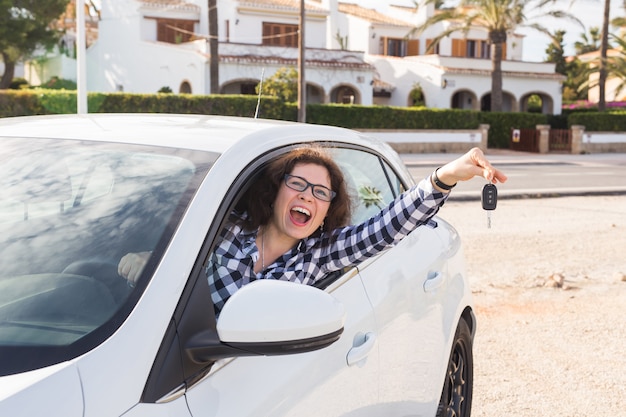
(360,352)
(433,281)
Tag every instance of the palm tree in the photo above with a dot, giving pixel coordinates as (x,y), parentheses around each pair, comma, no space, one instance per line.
(499,18)
(604,46)
(615,66)
(214,59)
(589,43)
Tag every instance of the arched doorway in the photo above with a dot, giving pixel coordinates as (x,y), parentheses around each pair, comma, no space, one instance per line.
(537,102)
(464,99)
(240,86)
(185,88)
(314,94)
(345,94)
(508,102)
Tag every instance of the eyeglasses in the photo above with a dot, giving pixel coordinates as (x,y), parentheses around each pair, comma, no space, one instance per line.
(300,184)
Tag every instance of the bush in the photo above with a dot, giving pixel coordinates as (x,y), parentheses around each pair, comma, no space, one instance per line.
(20,103)
(18,83)
(599,122)
(56,83)
(42,101)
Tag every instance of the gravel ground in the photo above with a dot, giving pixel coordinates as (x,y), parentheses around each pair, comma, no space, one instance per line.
(549,283)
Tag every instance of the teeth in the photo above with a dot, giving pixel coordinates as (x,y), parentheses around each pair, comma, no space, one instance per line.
(302,210)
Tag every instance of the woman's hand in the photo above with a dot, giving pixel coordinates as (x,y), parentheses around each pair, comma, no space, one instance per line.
(472,164)
(132,264)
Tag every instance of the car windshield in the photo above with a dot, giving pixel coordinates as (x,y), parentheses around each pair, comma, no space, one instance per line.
(69,210)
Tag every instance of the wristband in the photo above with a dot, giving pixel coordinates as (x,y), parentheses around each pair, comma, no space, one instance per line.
(440,184)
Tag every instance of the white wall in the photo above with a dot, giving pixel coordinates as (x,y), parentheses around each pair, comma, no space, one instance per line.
(58,65)
(127,55)
(122,61)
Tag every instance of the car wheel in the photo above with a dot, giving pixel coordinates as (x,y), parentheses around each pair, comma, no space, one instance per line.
(456,396)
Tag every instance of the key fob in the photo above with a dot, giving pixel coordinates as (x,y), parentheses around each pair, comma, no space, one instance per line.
(489,197)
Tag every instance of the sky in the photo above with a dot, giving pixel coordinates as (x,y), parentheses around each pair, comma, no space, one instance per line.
(588,11)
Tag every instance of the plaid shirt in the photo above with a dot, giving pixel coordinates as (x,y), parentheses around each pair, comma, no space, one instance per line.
(230,265)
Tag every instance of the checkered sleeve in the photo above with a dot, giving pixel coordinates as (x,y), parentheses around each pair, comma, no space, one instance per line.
(228,267)
(353,244)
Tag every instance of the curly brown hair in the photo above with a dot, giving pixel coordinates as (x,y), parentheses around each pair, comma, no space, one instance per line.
(258,200)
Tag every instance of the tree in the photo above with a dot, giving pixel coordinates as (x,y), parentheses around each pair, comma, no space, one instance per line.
(616,65)
(555,52)
(498,18)
(25,25)
(589,43)
(214,58)
(283,84)
(576,87)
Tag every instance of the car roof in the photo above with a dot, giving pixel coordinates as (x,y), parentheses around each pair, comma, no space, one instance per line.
(239,140)
(199,132)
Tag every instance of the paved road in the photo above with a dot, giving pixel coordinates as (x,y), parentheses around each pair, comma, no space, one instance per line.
(533,175)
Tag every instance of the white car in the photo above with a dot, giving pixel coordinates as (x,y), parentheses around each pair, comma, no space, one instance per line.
(391,337)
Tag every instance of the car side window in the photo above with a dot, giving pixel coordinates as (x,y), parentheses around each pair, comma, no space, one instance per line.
(371,185)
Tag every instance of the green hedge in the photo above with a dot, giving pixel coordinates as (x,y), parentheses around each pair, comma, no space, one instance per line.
(20,103)
(375,117)
(599,122)
(31,102)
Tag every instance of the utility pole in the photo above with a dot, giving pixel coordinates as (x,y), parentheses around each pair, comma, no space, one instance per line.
(301,65)
(81,64)
(214,58)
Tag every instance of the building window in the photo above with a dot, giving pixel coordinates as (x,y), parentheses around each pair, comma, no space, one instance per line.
(485,50)
(470,48)
(393,46)
(175,30)
(280,34)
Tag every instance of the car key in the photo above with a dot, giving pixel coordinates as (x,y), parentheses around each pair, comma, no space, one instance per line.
(489,200)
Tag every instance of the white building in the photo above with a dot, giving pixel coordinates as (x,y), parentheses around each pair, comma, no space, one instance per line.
(354,54)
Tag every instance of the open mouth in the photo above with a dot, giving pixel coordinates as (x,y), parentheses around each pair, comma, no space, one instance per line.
(300,215)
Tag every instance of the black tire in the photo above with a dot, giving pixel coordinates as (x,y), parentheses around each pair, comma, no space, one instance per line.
(456,396)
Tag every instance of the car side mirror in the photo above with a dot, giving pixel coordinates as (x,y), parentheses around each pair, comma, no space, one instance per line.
(272,317)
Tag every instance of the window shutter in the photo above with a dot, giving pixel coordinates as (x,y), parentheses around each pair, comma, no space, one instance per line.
(413,47)
(458,47)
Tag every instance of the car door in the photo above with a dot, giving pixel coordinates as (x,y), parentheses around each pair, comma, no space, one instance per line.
(326,382)
(404,286)
(337,380)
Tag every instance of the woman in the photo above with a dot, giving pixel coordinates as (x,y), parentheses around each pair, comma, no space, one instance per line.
(291,224)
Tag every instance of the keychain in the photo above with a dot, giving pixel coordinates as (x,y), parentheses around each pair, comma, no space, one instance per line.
(489,200)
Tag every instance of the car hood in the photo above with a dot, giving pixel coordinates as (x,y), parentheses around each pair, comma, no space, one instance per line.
(54,390)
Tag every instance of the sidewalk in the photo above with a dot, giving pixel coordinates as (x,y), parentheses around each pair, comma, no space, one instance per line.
(508,157)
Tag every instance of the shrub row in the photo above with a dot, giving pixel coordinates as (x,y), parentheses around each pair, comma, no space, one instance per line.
(36,102)
(378,117)
(31,102)
(599,122)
